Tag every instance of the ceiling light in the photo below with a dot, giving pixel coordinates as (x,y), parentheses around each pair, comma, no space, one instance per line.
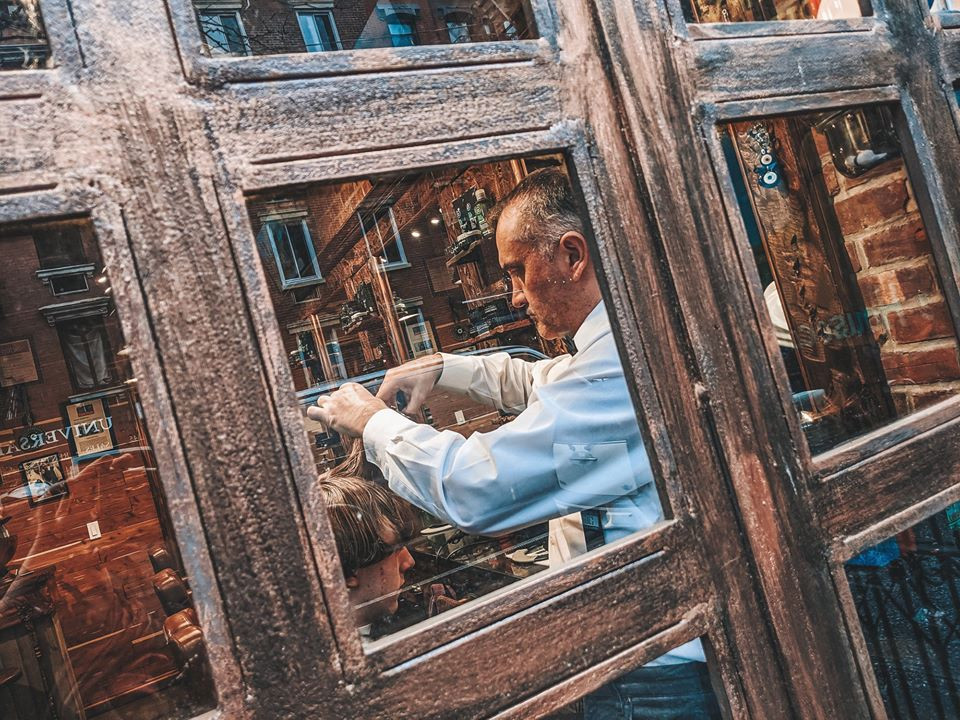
(434,221)
(415,233)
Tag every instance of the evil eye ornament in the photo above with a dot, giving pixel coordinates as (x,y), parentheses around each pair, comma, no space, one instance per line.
(768,171)
(768,178)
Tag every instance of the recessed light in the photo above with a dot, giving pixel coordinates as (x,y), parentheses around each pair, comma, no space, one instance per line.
(415,233)
(434,221)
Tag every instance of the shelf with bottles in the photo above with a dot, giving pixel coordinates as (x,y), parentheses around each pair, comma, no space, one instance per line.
(467,248)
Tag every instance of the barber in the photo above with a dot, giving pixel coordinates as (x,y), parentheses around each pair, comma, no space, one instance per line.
(573,452)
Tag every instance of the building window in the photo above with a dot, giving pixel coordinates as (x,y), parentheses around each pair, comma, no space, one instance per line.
(23,42)
(307,357)
(63,265)
(86,348)
(402,29)
(223,33)
(319,31)
(334,352)
(458,27)
(419,335)
(383,238)
(294,253)
(60,247)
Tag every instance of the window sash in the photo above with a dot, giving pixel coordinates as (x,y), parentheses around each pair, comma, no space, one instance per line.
(402,30)
(224,34)
(319,31)
(294,253)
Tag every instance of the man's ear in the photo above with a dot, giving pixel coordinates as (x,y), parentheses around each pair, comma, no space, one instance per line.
(573,245)
(353,582)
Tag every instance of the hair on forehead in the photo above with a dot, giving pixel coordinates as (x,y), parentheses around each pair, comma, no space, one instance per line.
(366,518)
(543,207)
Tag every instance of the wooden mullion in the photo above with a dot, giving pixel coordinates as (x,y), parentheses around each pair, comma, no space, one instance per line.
(721,318)
(767,66)
(892,482)
(393,650)
(257,178)
(531,651)
(516,98)
(866,446)
(651,96)
(571,689)
(779,28)
(175,477)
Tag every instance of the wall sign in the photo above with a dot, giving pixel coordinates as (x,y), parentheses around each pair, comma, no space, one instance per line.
(91,434)
(17,364)
(44,479)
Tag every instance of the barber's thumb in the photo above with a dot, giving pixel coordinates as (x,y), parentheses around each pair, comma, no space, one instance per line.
(315,413)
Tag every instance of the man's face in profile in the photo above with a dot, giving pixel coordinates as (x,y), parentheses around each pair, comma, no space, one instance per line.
(539,282)
(374,589)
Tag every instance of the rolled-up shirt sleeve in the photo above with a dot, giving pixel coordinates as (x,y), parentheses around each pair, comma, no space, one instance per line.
(576,446)
(498,379)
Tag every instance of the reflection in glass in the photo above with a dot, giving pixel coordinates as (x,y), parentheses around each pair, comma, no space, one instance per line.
(664,692)
(271,27)
(23,42)
(907,594)
(850,282)
(96,613)
(724,11)
(532,455)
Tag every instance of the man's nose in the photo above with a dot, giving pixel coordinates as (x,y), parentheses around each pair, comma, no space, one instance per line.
(517,298)
(406,560)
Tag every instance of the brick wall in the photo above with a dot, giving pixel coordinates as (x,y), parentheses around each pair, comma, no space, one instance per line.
(890,254)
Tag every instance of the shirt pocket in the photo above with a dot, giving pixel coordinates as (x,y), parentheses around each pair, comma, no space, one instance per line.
(593,474)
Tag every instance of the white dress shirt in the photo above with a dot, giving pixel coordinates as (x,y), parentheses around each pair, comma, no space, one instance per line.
(575,445)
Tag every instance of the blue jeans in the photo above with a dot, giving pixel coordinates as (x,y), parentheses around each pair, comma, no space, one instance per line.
(664,692)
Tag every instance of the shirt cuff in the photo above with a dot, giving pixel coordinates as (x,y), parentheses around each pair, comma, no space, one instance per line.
(381,430)
(458,372)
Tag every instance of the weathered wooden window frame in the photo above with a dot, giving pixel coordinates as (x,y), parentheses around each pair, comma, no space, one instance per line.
(211,71)
(861,448)
(109,226)
(505,607)
(686,381)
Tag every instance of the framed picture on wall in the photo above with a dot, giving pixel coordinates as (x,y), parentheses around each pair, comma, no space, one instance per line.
(91,428)
(420,336)
(44,479)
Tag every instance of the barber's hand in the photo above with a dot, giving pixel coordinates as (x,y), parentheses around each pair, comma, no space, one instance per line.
(415,378)
(347,411)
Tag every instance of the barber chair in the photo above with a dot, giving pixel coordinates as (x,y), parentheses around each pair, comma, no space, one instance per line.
(184,636)
(172,591)
(161,559)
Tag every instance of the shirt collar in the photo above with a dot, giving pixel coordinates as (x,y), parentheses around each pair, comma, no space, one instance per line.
(595,325)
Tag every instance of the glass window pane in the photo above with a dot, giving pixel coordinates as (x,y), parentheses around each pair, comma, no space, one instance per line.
(23,41)
(318,34)
(293,250)
(59,247)
(223,33)
(96,616)
(266,27)
(533,454)
(907,593)
(849,278)
(710,11)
